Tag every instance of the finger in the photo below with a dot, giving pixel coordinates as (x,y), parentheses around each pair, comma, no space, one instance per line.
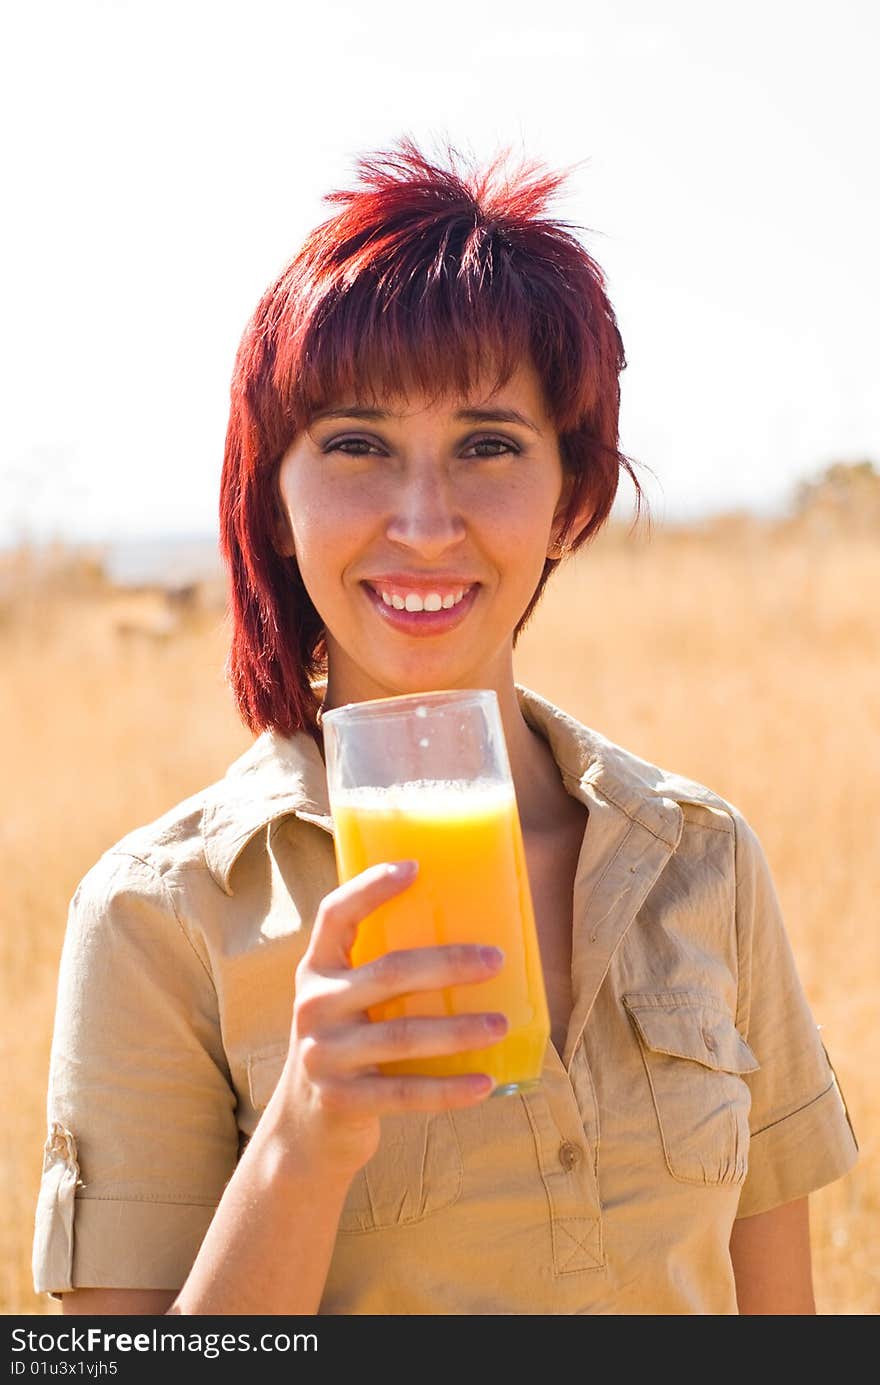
(383,1096)
(415,969)
(351,1049)
(345,907)
(341,994)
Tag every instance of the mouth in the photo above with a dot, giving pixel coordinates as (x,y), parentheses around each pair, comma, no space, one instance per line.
(423,622)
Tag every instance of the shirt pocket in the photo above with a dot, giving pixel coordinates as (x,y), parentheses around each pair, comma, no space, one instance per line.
(695,1059)
(416,1171)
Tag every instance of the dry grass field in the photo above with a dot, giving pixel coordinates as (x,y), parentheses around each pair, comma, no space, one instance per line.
(743,654)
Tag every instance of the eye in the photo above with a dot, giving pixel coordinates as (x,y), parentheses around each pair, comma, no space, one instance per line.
(498,447)
(351,447)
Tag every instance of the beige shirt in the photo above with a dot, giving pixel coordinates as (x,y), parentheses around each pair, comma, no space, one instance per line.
(693,1086)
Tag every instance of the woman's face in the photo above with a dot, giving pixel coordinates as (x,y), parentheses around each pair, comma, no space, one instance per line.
(392,514)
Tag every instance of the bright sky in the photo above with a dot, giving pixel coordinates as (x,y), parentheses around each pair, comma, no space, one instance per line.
(165,159)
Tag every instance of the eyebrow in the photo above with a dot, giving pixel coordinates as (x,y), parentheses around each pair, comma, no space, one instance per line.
(490,415)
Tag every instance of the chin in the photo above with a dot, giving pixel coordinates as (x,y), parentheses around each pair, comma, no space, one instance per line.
(402,682)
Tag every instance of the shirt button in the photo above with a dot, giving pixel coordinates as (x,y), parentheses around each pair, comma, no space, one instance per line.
(709,1040)
(569,1155)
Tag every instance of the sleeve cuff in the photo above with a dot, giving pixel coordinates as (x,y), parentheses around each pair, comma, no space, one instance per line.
(112,1244)
(799,1154)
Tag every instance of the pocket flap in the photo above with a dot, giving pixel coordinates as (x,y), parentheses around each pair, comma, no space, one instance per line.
(690,1025)
(264,1070)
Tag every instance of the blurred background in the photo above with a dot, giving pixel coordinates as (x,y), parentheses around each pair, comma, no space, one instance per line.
(165,161)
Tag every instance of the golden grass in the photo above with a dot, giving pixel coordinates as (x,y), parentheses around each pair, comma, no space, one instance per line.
(743,657)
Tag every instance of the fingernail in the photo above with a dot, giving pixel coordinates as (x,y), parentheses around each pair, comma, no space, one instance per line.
(401,870)
(481,1083)
(497,1024)
(492,956)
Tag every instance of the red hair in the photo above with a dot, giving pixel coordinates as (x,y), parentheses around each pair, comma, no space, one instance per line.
(423,275)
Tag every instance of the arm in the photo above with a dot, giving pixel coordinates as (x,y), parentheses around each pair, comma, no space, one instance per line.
(770,1253)
(246,1264)
(268,1247)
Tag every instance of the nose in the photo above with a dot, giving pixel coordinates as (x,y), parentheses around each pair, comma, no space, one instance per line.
(426,518)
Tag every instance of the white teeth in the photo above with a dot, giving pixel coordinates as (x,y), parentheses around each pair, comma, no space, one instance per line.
(432,601)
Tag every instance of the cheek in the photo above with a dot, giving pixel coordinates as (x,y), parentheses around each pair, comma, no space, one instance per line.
(518,516)
(322,524)
(329,536)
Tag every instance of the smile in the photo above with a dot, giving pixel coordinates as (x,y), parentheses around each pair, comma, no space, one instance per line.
(414,601)
(422,614)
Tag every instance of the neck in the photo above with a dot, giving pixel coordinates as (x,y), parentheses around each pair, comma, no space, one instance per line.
(532,766)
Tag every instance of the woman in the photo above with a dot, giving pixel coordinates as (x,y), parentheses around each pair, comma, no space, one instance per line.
(425,418)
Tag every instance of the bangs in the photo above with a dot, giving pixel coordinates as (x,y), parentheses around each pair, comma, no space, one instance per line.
(433,345)
(432,311)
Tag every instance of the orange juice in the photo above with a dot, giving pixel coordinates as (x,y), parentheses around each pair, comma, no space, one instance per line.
(472,887)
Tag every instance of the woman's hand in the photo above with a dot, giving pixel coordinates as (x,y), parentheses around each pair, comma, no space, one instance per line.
(331,1088)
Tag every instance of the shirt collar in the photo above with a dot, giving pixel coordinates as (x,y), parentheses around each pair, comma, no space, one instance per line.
(283,775)
(278,776)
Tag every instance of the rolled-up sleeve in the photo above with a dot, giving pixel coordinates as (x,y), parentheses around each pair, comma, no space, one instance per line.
(801,1137)
(142,1135)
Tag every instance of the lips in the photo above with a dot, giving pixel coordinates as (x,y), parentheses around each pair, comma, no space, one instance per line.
(422,622)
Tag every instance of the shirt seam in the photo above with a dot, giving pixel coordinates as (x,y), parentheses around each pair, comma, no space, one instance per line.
(166,1199)
(678,999)
(584,777)
(742,1013)
(796,1112)
(133,856)
(268,819)
(632,817)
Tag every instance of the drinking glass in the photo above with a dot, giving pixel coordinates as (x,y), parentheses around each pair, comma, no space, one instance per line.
(426,776)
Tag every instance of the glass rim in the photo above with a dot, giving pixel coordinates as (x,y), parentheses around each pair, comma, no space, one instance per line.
(404,703)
